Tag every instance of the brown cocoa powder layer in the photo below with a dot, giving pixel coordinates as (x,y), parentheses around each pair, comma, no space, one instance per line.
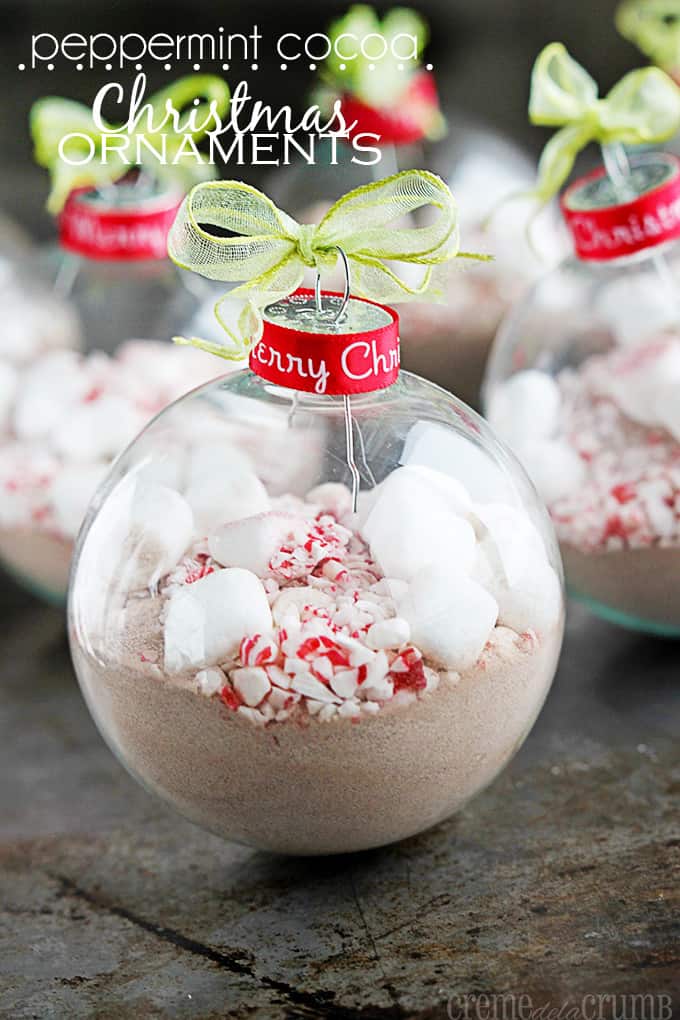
(318,787)
(642,583)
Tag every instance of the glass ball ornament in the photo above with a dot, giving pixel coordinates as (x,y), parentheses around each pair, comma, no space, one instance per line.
(584,384)
(315,622)
(85,361)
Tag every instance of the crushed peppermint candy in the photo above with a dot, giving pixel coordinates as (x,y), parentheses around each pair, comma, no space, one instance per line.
(629,497)
(337,650)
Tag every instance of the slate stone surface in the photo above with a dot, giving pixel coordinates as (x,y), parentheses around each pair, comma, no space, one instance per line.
(559,882)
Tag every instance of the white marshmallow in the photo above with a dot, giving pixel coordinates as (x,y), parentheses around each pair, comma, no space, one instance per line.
(229,495)
(508,537)
(392,633)
(432,444)
(206,621)
(98,429)
(159,530)
(451,616)
(71,494)
(252,683)
(533,601)
(250,543)
(410,526)
(453,492)
(553,466)
(525,407)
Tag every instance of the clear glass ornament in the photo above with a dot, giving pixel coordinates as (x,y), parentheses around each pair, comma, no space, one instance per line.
(73,390)
(293,675)
(584,384)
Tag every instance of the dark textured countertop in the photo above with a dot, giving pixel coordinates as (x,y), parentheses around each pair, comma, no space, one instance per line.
(559,882)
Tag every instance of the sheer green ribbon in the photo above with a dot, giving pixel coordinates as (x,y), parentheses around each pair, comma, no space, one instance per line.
(654,27)
(643,108)
(380,82)
(269,252)
(382,85)
(53,118)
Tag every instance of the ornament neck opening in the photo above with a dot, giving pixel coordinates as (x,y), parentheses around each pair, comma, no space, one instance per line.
(623,207)
(126,221)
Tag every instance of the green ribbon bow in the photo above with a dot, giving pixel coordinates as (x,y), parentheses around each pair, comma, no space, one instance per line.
(270,252)
(383,85)
(379,82)
(643,108)
(52,118)
(654,27)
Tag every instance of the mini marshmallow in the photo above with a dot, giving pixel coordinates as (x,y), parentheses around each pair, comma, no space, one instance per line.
(391,633)
(230,495)
(252,684)
(525,407)
(71,493)
(159,530)
(508,537)
(98,429)
(251,542)
(206,621)
(451,616)
(453,492)
(554,467)
(533,601)
(409,527)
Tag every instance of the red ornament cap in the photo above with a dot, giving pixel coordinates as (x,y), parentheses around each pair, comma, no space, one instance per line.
(405,123)
(127,230)
(326,352)
(605,228)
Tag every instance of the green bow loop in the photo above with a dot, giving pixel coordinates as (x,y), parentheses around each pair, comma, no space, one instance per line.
(643,108)
(654,27)
(52,119)
(382,86)
(269,252)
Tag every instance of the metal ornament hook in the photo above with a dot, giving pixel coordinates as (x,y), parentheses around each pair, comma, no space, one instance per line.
(348,283)
(349,424)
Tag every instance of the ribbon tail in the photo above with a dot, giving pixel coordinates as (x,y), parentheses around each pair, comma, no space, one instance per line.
(558,158)
(219,350)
